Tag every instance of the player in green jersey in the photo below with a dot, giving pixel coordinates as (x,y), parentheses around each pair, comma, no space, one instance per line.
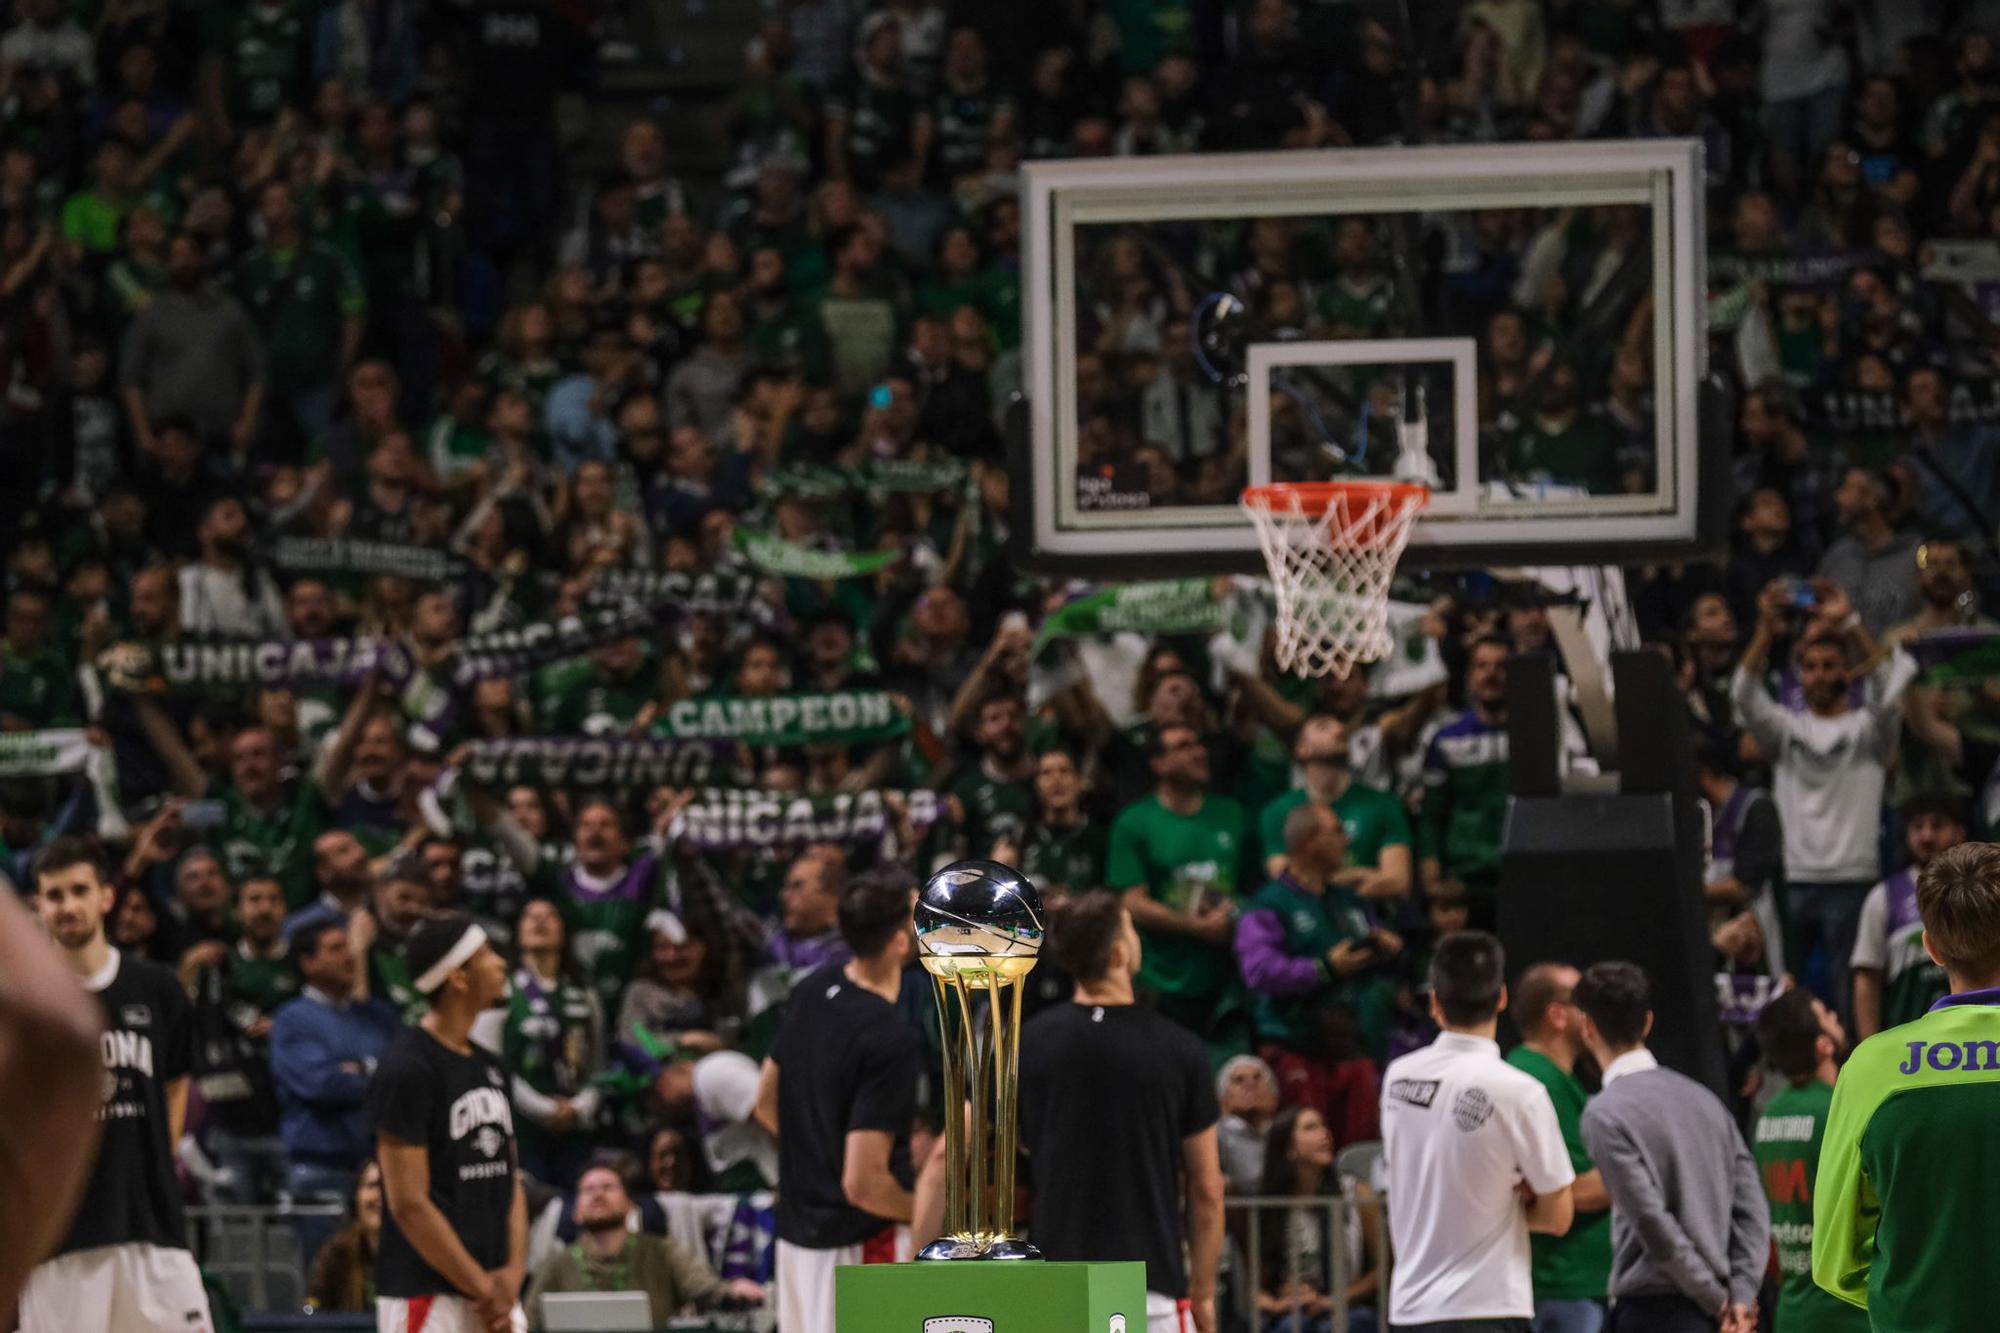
(1904,1191)
(1803,1040)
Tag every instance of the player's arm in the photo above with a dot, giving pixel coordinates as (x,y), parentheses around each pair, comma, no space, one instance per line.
(176,1097)
(866,1180)
(406,1185)
(1845,1209)
(765,1112)
(1203,1162)
(1551,1214)
(51,1083)
(516,1271)
(1588,1194)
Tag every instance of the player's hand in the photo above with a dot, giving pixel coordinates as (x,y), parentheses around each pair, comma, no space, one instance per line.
(495,1306)
(1202,1309)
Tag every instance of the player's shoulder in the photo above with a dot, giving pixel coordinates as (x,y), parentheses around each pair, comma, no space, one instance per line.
(143,979)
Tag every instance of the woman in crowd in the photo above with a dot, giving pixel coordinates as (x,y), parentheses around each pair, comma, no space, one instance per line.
(343,1277)
(1295,1266)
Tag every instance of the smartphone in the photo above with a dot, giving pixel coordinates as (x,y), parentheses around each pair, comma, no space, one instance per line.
(1802,594)
(880,397)
(204,814)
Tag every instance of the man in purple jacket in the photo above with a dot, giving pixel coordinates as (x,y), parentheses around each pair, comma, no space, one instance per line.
(1315,962)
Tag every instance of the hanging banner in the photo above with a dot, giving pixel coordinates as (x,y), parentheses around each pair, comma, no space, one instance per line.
(732,820)
(44,754)
(508,652)
(591,763)
(1172,606)
(713,593)
(340,555)
(188,667)
(787,719)
(914,474)
(1957,656)
(776,556)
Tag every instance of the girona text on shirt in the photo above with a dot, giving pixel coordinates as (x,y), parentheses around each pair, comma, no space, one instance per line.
(127,1050)
(481,1106)
(1945,1056)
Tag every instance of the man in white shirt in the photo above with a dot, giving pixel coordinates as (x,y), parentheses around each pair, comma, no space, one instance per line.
(1828,763)
(1474,1159)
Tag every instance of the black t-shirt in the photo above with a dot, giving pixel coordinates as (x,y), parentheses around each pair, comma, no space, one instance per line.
(848,1060)
(456,1107)
(148,1042)
(1108,1093)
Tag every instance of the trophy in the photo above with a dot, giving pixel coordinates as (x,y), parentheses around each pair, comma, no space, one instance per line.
(979,929)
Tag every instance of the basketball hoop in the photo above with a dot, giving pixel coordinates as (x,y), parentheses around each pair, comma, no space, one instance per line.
(1332,547)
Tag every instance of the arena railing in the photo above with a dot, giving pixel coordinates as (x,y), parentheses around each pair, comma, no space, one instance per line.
(1247,1220)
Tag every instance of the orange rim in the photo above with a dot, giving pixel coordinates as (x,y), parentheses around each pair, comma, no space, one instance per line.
(1313,497)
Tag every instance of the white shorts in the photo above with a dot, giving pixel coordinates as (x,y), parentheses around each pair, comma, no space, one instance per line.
(434,1314)
(137,1286)
(805,1280)
(1164,1314)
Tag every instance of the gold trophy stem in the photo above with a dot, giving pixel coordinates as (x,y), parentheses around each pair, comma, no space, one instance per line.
(956,1223)
(982,1142)
(1007,1049)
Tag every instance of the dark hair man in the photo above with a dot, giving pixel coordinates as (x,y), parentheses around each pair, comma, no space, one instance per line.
(124,1261)
(1466,1138)
(455,1232)
(1802,1039)
(839,1092)
(1114,1153)
(1689,1233)
(609,1256)
(1901,1174)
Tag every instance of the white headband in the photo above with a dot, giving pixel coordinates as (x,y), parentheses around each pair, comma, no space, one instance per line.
(470,943)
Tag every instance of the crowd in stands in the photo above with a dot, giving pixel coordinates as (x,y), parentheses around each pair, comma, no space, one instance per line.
(313,335)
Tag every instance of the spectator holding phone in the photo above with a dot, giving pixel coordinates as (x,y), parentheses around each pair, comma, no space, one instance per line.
(1828,763)
(1313,959)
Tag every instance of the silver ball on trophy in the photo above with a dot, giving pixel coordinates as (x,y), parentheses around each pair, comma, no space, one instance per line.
(979,932)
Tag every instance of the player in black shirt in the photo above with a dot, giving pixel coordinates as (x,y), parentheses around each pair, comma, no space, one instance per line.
(124,1263)
(455,1233)
(840,1093)
(1118,1117)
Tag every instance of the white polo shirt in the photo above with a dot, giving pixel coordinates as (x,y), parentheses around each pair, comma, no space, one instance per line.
(1460,1126)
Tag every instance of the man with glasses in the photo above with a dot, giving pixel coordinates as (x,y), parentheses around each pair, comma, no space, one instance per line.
(1571,1271)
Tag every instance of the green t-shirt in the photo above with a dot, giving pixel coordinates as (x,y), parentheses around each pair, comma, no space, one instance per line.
(1184,862)
(298,300)
(575,699)
(1582,453)
(551,1038)
(1575,1266)
(262,983)
(265,52)
(279,844)
(36,689)
(1786,1142)
(1070,858)
(92,221)
(1372,818)
(993,808)
(1358,311)
(1906,1180)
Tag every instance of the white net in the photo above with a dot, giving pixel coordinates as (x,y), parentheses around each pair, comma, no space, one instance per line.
(1332,548)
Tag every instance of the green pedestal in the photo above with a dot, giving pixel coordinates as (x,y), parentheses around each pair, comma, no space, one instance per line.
(1020,1296)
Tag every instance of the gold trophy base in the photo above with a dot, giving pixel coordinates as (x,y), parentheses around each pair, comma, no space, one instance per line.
(977,1247)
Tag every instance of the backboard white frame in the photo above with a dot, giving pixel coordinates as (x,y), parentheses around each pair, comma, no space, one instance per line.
(1662,175)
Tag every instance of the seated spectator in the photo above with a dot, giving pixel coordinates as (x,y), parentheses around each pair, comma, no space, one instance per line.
(609,1256)
(1247,1092)
(1295,1267)
(343,1277)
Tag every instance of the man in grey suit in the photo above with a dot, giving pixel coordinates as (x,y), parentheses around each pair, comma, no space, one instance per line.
(1690,1234)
